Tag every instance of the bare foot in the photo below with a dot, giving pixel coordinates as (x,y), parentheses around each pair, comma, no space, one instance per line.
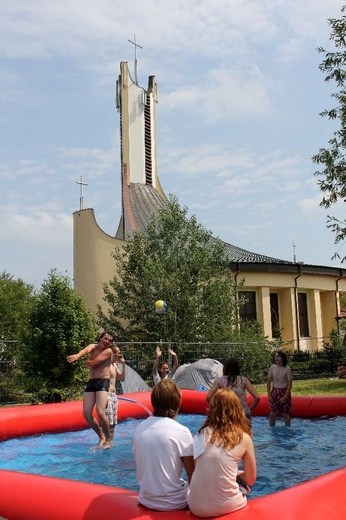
(100,443)
(107,445)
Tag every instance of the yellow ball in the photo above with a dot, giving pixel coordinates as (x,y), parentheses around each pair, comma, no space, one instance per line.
(160,307)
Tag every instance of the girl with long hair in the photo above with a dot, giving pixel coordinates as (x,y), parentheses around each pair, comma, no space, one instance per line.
(221,444)
(238,383)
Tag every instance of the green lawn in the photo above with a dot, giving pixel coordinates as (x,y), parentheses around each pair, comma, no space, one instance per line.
(313,387)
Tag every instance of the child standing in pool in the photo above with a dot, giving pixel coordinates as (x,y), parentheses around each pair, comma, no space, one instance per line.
(115,375)
(239,384)
(279,385)
(161,370)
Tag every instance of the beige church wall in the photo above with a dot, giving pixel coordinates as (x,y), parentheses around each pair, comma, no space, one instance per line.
(288,315)
(321,294)
(93,263)
(136,162)
(319,281)
(315,341)
(329,311)
(132,126)
(263,310)
(282,280)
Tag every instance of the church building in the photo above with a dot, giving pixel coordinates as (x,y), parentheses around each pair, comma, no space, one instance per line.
(303,301)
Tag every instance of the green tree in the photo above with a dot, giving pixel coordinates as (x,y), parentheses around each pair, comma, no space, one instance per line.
(177,261)
(59,324)
(16,299)
(332,180)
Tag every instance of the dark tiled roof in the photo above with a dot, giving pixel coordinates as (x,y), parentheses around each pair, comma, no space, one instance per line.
(144,200)
(242,255)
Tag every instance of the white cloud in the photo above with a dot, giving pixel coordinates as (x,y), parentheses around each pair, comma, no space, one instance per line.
(37,228)
(310,204)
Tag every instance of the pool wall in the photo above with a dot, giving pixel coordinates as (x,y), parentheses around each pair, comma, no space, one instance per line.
(22,421)
(31,497)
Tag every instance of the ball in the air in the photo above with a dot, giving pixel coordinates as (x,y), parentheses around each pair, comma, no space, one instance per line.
(160,307)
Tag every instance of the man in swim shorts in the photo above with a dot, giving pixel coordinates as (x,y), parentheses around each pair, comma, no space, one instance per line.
(279,385)
(96,390)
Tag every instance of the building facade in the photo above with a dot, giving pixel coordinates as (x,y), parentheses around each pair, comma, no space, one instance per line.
(299,302)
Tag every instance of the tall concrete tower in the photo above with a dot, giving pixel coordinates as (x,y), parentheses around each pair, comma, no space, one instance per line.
(142,193)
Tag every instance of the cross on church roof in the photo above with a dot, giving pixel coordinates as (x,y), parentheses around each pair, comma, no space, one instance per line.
(136,45)
(81,198)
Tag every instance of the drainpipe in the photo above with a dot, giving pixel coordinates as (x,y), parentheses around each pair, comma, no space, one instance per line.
(236,274)
(336,300)
(297,307)
(236,284)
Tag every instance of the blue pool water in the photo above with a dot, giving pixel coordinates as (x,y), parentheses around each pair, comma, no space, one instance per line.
(285,456)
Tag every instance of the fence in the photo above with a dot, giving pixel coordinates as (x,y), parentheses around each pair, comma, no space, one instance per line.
(254,359)
(304,365)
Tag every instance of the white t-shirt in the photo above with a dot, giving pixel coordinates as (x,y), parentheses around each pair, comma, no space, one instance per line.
(158,445)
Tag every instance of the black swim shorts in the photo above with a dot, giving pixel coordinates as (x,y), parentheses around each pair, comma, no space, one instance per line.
(97,385)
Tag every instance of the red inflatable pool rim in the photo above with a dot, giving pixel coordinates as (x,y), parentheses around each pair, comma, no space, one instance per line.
(31,497)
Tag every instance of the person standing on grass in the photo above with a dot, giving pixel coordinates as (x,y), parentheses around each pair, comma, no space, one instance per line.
(279,385)
(96,390)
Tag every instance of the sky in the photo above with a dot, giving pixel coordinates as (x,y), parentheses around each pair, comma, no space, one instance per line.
(240,93)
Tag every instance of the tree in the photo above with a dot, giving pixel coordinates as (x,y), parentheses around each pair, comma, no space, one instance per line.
(333,159)
(59,324)
(16,299)
(177,261)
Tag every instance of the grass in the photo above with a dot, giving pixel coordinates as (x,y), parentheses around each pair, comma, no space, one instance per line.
(313,387)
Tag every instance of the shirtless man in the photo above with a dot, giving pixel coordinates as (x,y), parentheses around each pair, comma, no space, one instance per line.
(112,399)
(279,385)
(96,390)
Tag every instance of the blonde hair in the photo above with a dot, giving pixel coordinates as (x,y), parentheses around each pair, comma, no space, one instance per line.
(166,399)
(227,419)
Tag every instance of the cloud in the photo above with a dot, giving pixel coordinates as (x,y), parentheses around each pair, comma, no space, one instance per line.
(41,227)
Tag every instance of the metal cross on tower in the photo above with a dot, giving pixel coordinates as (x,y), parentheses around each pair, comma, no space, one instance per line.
(81,198)
(136,45)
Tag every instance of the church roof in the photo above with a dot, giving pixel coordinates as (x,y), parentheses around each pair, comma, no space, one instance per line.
(242,255)
(145,200)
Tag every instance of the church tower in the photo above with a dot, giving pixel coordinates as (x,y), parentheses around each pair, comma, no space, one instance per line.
(142,193)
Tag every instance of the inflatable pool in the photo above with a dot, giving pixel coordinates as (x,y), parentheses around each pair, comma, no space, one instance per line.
(31,497)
